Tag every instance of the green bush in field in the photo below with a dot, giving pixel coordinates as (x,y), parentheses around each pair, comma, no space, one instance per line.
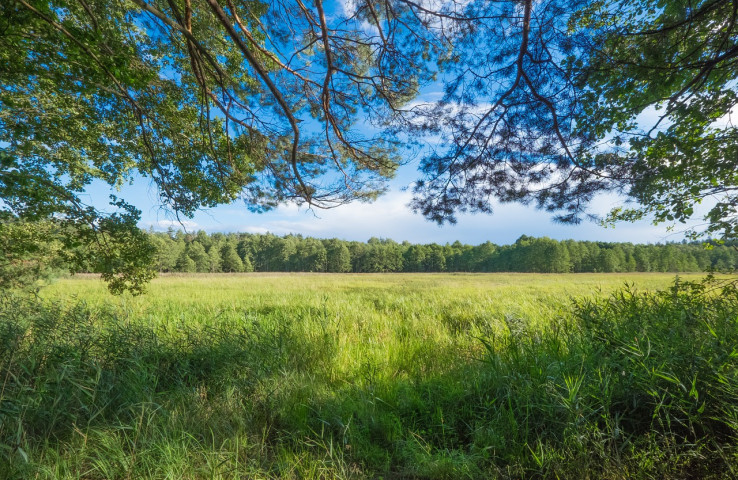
(633,385)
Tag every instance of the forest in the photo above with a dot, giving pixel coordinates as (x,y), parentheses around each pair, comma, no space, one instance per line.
(177,251)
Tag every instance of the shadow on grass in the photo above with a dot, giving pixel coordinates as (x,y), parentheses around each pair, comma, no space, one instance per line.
(628,386)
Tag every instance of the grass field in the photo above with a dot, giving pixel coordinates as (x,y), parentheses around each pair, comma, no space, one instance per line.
(357,297)
(371,376)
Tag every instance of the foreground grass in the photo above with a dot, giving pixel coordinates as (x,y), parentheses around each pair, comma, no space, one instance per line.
(394,376)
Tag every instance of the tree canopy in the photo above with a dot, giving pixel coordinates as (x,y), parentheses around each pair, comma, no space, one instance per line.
(576,98)
(548,102)
(661,83)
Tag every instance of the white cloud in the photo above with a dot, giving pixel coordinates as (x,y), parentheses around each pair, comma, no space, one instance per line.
(348,7)
(390,217)
(175,224)
(253,229)
(730,119)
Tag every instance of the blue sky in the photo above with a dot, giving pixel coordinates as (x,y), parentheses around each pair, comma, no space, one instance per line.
(388,217)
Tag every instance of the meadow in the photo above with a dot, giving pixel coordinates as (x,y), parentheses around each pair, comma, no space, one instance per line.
(423,376)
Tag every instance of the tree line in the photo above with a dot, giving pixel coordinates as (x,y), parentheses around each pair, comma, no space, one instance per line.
(177,251)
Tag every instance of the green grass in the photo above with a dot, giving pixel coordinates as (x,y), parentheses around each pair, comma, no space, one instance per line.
(367,376)
(366,297)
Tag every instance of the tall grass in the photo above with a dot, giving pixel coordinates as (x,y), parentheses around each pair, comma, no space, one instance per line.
(433,377)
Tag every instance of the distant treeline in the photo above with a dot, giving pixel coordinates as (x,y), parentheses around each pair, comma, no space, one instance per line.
(242,252)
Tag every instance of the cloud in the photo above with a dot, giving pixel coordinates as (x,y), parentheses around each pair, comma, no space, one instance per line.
(254,229)
(729,120)
(390,217)
(162,225)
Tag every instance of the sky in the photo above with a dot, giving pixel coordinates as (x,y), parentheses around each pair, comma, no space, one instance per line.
(391,217)
(387,217)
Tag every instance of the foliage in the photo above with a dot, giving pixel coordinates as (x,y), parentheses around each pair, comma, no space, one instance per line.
(425,377)
(508,118)
(30,253)
(99,91)
(189,253)
(577,98)
(295,253)
(43,224)
(183,92)
(661,83)
(231,261)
